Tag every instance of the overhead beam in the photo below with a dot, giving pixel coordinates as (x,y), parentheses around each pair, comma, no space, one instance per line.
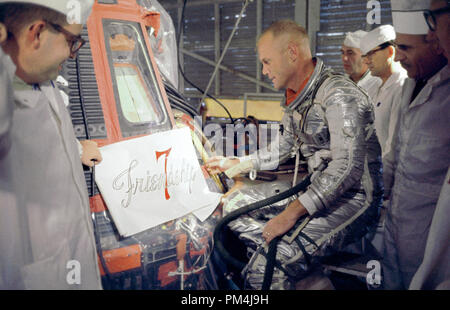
(224,68)
(200,2)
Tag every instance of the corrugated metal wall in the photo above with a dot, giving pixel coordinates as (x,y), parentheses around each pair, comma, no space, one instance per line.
(241,52)
(337,17)
(199,36)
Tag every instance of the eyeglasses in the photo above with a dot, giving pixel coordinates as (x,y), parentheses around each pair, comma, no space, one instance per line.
(430,16)
(381,47)
(371,53)
(75,42)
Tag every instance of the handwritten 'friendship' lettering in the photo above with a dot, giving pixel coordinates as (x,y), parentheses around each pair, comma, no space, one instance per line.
(131,185)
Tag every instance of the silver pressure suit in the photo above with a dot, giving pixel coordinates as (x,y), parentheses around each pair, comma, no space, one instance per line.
(331,119)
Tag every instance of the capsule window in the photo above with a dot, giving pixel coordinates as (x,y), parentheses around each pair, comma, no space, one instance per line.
(138,97)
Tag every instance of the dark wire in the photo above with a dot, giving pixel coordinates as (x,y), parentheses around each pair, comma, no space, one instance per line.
(181,26)
(88,136)
(178,101)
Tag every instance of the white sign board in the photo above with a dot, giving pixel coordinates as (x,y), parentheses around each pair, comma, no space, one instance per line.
(154,179)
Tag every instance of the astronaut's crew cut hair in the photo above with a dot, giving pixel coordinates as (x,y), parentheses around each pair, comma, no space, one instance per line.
(287,26)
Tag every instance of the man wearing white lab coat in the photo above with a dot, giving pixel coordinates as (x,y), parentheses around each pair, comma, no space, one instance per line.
(416,166)
(354,65)
(46,232)
(379,53)
(434,272)
(7,69)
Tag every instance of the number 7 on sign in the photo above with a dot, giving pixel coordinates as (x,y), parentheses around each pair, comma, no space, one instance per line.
(158,155)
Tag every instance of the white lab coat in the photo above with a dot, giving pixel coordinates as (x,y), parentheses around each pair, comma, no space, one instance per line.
(370,84)
(435,268)
(46,232)
(415,169)
(7,70)
(386,103)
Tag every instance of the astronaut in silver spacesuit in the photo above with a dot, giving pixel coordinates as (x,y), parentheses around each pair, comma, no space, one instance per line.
(327,118)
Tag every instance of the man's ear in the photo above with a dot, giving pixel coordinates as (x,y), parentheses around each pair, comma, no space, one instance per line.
(365,60)
(292,51)
(433,43)
(391,50)
(33,33)
(437,48)
(3,33)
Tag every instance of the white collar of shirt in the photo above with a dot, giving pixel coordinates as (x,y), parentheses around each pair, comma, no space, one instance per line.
(25,94)
(366,75)
(395,76)
(442,76)
(28,95)
(435,81)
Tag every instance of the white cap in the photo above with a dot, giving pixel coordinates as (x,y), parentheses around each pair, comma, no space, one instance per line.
(77,11)
(353,39)
(377,37)
(407,16)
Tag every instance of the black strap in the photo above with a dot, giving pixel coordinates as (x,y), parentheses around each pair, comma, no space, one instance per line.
(305,253)
(307,238)
(272,262)
(270,265)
